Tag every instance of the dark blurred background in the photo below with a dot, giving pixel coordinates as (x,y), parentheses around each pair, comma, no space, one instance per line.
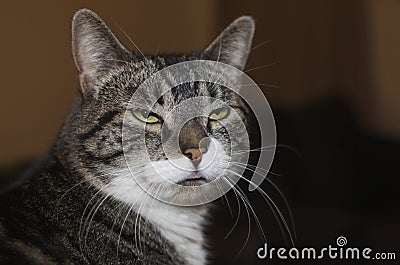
(329,68)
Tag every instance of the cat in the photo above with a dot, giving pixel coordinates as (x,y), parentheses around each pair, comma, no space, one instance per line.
(80,205)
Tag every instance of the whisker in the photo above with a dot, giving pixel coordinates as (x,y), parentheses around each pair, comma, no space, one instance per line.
(83,229)
(226,199)
(81,222)
(268,85)
(248,218)
(70,189)
(261,44)
(92,217)
(116,219)
(86,179)
(237,218)
(123,223)
(248,215)
(253,168)
(260,67)
(271,203)
(253,212)
(130,39)
(280,193)
(139,212)
(269,148)
(115,60)
(122,226)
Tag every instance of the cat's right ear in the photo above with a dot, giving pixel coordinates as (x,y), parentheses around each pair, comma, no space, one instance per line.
(95,49)
(233,45)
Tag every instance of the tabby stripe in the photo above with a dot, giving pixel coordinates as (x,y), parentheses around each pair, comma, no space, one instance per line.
(106,157)
(103,120)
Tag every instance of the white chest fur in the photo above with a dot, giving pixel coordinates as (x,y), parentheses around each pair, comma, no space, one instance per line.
(182,226)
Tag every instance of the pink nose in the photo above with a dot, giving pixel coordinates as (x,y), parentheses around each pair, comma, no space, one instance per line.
(194,153)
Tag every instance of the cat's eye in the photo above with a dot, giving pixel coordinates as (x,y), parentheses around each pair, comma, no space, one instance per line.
(219,114)
(145,116)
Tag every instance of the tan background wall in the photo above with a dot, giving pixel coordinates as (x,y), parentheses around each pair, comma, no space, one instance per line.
(385,76)
(367,61)
(314,50)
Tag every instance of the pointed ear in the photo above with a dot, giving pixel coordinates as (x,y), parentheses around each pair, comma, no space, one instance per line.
(233,45)
(95,49)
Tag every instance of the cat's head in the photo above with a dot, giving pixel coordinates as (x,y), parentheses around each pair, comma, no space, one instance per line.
(109,75)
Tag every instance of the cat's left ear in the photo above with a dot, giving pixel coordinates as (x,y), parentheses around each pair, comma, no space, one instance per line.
(233,45)
(95,48)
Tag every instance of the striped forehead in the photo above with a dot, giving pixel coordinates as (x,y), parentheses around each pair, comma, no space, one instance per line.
(185,91)
(179,94)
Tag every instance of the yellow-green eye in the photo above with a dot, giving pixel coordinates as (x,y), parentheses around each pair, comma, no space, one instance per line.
(146,117)
(219,114)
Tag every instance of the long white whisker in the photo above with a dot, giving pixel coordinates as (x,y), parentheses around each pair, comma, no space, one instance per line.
(116,218)
(122,226)
(86,179)
(137,218)
(252,168)
(252,211)
(81,225)
(259,67)
(237,218)
(248,218)
(267,85)
(83,228)
(265,148)
(116,60)
(126,217)
(280,193)
(92,216)
(272,203)
(130,39)
(224,197)
(261,44)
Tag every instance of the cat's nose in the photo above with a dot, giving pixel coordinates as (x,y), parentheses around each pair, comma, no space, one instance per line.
(194,153)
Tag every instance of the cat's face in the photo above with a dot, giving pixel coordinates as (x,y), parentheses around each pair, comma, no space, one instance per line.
(170,141)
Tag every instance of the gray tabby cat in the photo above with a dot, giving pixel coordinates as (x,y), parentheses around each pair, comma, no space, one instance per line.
(80,205)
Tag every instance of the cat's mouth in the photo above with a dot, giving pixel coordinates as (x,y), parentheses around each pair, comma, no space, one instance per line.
(194,179)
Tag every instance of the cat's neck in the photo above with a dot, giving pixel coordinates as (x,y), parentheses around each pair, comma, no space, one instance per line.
(182,226)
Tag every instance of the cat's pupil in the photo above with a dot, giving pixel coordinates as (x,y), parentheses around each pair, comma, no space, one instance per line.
(145,113)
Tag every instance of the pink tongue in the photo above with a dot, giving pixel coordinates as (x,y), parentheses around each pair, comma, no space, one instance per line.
(194,176)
